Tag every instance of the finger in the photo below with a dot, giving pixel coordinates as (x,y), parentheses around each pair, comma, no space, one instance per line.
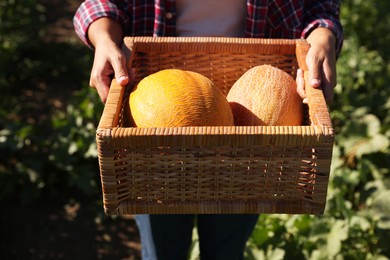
(100,75)
(329,82)
(102,89)
(102,85)
(315,76)
(301,85)
(119,66)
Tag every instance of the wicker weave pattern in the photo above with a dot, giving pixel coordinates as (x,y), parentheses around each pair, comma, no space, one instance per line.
(276,169)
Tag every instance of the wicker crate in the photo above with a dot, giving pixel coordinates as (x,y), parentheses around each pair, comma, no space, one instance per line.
(249,169)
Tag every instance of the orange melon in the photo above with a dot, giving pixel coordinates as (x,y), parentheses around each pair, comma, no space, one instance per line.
(265,95)
(173,97)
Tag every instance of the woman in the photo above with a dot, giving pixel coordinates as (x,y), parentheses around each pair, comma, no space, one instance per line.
(102,24)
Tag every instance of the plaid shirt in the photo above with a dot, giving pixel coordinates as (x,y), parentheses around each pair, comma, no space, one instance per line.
(265,18)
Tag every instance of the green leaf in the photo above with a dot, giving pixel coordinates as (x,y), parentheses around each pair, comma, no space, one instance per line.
(338,233)
(375,144)
(337,160)
(373,124)
(276,254)
(72,148)
(381,203)
(381,208)
(260,235)
(362,223)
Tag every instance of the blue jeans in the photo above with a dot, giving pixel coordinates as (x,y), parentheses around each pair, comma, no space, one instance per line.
(169,237)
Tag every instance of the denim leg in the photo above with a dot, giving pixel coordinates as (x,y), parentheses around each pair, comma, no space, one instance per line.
(172,235)
(224,236)
(148,251)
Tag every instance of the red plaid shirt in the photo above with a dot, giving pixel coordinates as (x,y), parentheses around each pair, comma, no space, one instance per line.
(264,19)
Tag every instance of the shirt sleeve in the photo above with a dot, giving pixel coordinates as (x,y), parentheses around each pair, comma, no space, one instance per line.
(324,14)
(91,10)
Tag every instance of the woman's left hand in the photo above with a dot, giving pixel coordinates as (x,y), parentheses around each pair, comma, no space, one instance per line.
(321,63)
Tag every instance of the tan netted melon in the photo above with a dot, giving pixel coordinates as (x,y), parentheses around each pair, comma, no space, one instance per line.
(173,97)
(265,95)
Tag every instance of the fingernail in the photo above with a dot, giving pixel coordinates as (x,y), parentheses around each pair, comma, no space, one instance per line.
(315,82)
(123,78)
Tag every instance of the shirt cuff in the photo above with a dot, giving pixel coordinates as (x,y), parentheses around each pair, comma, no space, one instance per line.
(88,12)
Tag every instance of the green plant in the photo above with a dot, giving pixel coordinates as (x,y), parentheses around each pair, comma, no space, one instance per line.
(47,124)
(356,223)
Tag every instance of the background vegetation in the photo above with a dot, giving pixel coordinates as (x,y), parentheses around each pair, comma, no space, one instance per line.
(48,117)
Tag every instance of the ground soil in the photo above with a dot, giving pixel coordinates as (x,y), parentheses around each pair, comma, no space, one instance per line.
(70,228)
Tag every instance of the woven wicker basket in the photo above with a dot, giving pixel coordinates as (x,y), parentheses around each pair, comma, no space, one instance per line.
(197,170)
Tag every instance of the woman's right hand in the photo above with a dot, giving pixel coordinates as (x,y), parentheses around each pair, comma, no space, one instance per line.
(109,61)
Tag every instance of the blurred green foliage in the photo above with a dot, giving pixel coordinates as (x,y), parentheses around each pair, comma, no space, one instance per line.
(49,150)
(356,223)
(45,150)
